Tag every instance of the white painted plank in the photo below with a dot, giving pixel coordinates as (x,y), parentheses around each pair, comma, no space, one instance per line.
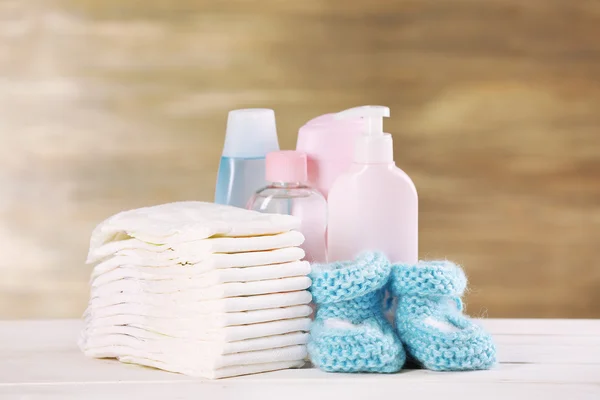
(548,354)
(60,334)
(51,334)
(67,363)
(515,373)
(571,327)
(74,368)
(548,340)
(303,390)
(43,335)
(34,353)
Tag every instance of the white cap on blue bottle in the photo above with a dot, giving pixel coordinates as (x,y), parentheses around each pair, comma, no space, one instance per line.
(251,133)
(374,146)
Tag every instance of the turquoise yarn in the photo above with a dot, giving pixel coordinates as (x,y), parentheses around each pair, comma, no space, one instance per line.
(431,291)
(350,332)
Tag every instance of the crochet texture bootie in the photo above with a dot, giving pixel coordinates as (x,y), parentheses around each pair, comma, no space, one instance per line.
(350,333)
(430,321)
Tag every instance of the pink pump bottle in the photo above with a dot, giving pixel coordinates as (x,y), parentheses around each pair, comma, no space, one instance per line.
(374,205)
(328,143)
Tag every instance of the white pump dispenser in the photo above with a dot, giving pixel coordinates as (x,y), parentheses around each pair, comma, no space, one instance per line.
(374,205)
(373,146)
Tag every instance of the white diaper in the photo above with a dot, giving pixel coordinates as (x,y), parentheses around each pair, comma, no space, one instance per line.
(95,317)
(204,279)
(189,325)
(201,356)
(218,373)
(186,222)
(104,345)
(185,291)
(195,332)
(226,305)
(215,261)
(200,249)
(191,357)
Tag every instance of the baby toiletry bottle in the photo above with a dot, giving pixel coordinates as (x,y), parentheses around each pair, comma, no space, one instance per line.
(289,194)
(373,206)
(251,134)
(329,146)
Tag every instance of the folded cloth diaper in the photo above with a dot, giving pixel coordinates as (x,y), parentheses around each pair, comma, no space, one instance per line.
(201,357)
(209,328)
(430,321)
(200,289)
(198,250)
(350,332)
(112,345)
(219,373)
(198,361)
(205,279)
(191,331)
(215,261)
(171,315)
(194,356)
(184,290)
(226,305)
(188,221)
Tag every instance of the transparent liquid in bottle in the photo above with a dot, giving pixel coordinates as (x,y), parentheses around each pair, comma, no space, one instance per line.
(238,179)
(303,202)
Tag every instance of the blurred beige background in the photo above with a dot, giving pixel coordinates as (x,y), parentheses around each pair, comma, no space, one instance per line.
(108,105)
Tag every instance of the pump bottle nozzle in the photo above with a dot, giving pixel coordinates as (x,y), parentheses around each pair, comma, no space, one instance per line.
(373,146)
(373,116)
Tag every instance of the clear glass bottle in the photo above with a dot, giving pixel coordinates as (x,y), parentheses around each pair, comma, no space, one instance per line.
(289,194)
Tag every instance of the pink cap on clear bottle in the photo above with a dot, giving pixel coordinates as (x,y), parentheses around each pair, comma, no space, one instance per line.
(286,166)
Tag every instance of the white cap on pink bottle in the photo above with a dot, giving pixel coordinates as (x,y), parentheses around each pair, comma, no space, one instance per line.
(373,146)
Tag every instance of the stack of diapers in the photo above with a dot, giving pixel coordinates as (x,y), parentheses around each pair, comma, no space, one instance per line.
(200,289)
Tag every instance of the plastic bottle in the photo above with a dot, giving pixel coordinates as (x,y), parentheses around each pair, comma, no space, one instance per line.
(329,145)
(289,194)
(373,206)
(251,134)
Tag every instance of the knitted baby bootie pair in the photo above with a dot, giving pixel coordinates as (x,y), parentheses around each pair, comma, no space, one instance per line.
(351,334)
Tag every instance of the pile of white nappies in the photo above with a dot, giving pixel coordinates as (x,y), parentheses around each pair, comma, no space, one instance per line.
(200,289)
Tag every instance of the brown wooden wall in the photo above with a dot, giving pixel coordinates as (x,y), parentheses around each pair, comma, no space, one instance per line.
(108,105)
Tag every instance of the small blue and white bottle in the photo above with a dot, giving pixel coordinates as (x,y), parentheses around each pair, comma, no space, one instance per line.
(251,134)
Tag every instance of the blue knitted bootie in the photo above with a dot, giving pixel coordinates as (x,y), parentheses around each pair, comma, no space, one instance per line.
(430,321)
(350,332)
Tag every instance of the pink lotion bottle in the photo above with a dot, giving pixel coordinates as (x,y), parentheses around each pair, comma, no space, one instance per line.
(328,143)
(374,205)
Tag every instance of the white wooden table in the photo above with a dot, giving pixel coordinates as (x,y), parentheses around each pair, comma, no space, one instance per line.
(539,359)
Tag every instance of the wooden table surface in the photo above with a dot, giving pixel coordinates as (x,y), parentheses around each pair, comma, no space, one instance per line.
(546,359)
